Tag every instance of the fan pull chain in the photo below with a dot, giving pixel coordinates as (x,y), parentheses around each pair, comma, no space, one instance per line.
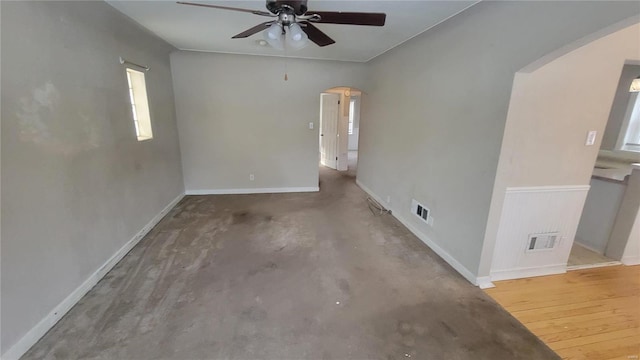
(286,77)
(286,59)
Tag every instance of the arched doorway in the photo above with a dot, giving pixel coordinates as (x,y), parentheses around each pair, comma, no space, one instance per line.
(339,128)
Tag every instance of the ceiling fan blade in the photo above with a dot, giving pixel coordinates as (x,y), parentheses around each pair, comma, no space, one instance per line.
(316,35)
(256,12)
(253,30)
(350,18)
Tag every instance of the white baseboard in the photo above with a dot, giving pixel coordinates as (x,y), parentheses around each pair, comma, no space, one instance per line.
(372,194)
(484,282)
(528,272)
(631,260)
(425,239)
(252,191)
(33,335)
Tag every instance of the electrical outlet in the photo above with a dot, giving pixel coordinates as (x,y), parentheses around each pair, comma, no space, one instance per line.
(388,199)
(310,126)
(430,221)
(251,177)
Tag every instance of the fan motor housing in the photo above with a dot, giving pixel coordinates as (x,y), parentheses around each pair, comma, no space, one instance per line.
(299,6)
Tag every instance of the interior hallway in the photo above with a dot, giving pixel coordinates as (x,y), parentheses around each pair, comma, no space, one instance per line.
(286,276)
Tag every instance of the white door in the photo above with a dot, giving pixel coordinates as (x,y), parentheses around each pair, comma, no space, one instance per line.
(329,105)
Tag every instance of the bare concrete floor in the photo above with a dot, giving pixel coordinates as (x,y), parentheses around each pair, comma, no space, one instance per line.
(285,276)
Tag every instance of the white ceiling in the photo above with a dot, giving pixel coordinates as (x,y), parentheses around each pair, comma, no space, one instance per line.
(203,29)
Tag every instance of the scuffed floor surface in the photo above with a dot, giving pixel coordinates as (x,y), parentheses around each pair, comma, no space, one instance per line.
(285,276)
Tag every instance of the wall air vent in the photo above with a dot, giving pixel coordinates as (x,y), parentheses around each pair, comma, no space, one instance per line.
(540,242)
(421,211)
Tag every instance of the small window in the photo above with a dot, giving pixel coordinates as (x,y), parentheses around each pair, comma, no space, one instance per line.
(352,106)
(631,140)
(139,104)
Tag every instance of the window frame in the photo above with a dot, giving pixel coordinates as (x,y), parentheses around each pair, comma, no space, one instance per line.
(139,104)
(630,124)
(352,107)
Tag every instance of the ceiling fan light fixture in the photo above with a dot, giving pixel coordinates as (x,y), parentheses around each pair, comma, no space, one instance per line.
(635,85)
(273,32)
(273,35)
(296,38)
(295,32)
(286,13)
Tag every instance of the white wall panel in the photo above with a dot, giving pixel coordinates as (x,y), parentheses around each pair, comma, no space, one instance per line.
(534,210)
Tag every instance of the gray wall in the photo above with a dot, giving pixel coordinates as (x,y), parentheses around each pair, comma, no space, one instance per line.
(623,241)
(238,117)
(76,184)
(599,214)
(619,107)
(437,107)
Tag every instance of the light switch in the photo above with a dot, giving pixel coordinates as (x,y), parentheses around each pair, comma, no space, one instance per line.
(310,126)
(591,138)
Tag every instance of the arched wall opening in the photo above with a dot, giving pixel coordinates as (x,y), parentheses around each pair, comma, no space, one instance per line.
(546,164)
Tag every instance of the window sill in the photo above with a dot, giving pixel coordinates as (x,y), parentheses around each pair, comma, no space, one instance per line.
(623,156)
(631,149)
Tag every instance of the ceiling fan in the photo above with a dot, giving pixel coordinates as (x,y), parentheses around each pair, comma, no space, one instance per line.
(293,22)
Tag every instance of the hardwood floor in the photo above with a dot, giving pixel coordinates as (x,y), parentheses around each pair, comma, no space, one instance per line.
(584,314)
